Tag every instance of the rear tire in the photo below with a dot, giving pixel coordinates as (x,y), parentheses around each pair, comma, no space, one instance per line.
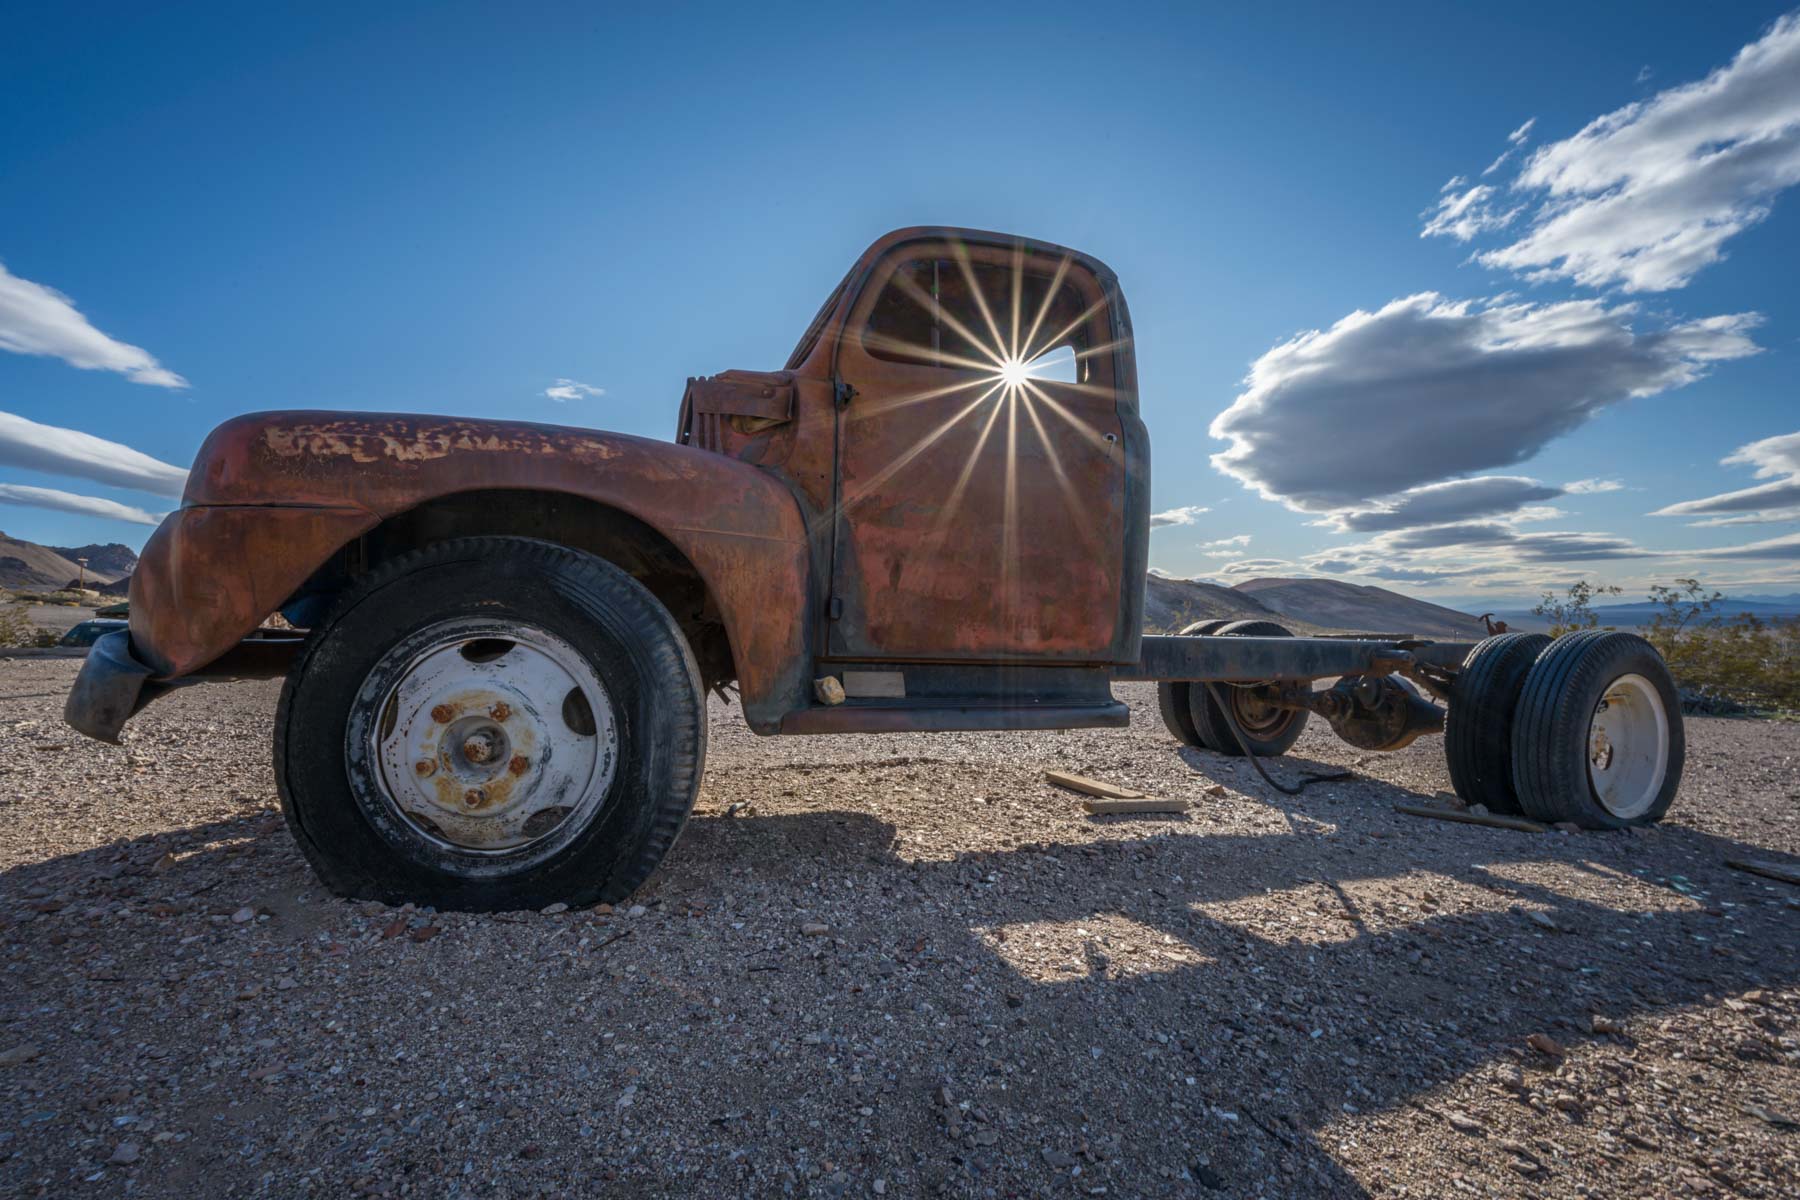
(1172,696)
(491,723)
(1269,731)
(1478,727)
(1597,738)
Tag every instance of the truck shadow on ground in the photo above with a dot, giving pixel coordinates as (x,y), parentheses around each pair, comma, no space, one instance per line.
(1294,1030)
(1167,956)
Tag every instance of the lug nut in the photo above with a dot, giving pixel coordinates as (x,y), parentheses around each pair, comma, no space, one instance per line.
(500,711)
(425,766)
(474,798)
(442,714)
(519,764)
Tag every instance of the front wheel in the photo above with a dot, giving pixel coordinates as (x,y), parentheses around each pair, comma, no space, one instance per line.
(1597,737)
(491,723)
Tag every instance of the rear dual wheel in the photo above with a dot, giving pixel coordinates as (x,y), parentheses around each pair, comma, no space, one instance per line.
(491,723)
(1196,719)
(1586,729)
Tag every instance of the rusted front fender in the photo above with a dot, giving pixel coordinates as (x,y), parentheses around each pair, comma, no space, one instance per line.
(274,495)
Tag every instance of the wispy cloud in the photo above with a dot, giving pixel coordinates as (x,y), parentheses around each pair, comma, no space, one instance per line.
(87,506)
(1484,384)
(572,389)
(1241,539)
(1462,213)
(1258,566)
(57,451)
(1441,503)
(1589,487)
(1648,195)
(35,319)
(1514,140)
(1774,458)
(1178,516)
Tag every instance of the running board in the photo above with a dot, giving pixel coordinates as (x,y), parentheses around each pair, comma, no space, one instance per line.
(928,718)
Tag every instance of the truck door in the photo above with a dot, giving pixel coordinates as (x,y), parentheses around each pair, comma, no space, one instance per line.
(980,498)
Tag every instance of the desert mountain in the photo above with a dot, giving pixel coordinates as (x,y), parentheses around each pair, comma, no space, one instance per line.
(27,565)
(1360,608)
(108,562)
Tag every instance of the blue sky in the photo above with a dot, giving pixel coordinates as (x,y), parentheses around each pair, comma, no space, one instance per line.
(452,208)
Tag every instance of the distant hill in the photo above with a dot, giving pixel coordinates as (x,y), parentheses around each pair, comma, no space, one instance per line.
(1359,608)
(1632,616)
(1304,606)
(1171,604)
(108,562)
(31,566)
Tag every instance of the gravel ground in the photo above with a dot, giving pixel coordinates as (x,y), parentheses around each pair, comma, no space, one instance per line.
(1266,996)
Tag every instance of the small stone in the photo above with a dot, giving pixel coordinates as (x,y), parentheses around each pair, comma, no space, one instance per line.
(427,933)
(1539,917)
(1566,827)
(125,1153)
(394,928)
(603,910)
(163,865)
(815,929)
(828,690)
(880,1187)
(986,1137)
(1462,1122)
(943,1096)
(1566,1102)
(1058,1161)
(1478,810)
(1543,1043)
(1604,1024)
(243,915)
(18,1055)
(1013,1001)
(552,909)
(636,910)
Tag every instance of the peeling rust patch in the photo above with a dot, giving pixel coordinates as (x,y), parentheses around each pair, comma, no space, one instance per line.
(500,711)
(443,713)
(519,764)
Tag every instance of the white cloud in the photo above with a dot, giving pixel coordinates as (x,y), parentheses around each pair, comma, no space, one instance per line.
(57,451)
(1514,140)
(1257,566)
(1646,196)
(1178,516)
(1776,458)
(1461,214)
(1588,487)
(1453,500)
(572,389)
(90,506)
(35,319)
(1426,388)
(1242,539)
(1787,546)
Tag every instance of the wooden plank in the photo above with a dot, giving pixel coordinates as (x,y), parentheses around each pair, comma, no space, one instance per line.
(1767,870)
(1148,804)
(1092,787)
(1469,818)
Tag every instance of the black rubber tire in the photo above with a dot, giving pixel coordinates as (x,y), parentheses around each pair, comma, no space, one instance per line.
(1478,726)
(1210,722)
(627,638)
(1552,725)
(1172,696)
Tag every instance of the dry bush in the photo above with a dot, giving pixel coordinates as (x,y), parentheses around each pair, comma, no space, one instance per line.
(17,630)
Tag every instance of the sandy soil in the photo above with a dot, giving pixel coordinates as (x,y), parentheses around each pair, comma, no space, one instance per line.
(1264,997)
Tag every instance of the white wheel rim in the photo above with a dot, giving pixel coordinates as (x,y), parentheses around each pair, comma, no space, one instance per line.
(494,739)
(1628,747)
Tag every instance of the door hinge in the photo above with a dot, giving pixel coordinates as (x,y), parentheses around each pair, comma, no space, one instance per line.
(845,394)
(836,608)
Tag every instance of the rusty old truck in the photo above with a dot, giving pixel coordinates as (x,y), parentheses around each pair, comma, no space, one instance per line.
(935,516)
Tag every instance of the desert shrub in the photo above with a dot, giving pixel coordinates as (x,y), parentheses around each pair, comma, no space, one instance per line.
(1574,611)
(1716,654)
(17,630)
